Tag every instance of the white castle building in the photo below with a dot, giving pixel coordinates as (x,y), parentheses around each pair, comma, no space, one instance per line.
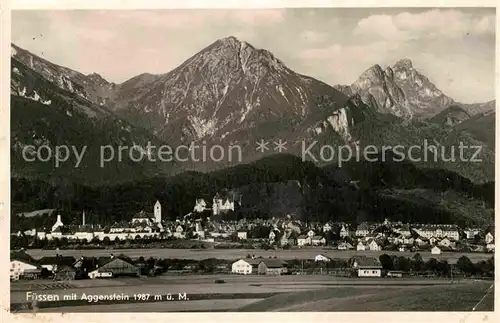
(224,204)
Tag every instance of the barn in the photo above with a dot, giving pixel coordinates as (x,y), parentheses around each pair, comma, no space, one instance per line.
(272,267)
(65,273)
(113,267)
(366,266)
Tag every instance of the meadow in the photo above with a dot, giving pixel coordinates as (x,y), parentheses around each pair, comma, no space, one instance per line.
(266,293)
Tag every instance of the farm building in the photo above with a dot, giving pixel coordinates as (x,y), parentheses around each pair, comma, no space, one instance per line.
(23,266)
(321,257)
(65,273)
(272,267)
(245,266)
(366,266)
(242,235)
(112,267)
(51,263)
(435,250)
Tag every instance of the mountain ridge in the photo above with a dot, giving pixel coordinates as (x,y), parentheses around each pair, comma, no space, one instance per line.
(233,93)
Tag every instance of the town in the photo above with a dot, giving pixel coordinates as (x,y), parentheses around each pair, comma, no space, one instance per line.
(272,234)
(207,224)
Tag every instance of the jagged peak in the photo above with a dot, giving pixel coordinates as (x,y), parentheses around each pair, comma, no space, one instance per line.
(97,77)
(230,39)
(404,63)
(373,72)
(389,72)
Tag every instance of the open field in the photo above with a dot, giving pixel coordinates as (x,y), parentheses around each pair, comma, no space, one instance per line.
(459,297)
(261,293)
(233,254)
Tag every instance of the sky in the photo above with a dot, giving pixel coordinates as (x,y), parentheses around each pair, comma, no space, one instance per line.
(454,48)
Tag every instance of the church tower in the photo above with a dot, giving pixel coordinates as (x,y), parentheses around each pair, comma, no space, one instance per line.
(157,212)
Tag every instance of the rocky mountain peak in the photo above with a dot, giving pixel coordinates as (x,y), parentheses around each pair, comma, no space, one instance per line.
(404,63)
(96,77)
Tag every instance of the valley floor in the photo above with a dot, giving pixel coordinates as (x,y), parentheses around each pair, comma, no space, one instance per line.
(261,293)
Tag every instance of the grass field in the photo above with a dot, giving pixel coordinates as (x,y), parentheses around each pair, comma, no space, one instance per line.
(265,293)
(196,254)
(459,297)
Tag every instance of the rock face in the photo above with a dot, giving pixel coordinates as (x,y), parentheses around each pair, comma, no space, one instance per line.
(400,90)
(228,87)
(92,87)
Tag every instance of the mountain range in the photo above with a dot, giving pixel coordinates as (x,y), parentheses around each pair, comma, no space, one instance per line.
(233,93)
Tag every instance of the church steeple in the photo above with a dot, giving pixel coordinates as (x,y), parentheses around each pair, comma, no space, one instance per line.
(157,212)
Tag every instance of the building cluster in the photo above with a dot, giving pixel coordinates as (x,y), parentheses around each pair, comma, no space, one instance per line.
(382,236)
(145,224)
(23,266)
(203,223)
(360,266)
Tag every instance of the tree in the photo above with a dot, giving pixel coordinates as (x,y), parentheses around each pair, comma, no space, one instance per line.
(465,265)
(418,262)
(386,262)
(432,264)
(402,263)
(106,241)
(443,268)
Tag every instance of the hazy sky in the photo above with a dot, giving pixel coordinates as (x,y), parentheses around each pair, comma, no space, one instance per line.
(454,48)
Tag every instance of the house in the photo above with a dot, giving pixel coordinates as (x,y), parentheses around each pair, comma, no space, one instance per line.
(344,232)
(446,242)
(57,232)
(362,230)
(471,233)
(52,263)
(404,230)
(112,267)
(435,250)
(366,266)
(65,273)
(23,266)
(224,202)
(421,241)
(244,266)
(490,247)
(272,236)
(242,235)
(361,246)
(272,267)
(303,240)
(200,205)
(58,223)
(345,246)
(318,241)
(142,218)
(289,237)
(489,238)
(323,258)
(408,240)
(373,246)
(451,232)
(179,232)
